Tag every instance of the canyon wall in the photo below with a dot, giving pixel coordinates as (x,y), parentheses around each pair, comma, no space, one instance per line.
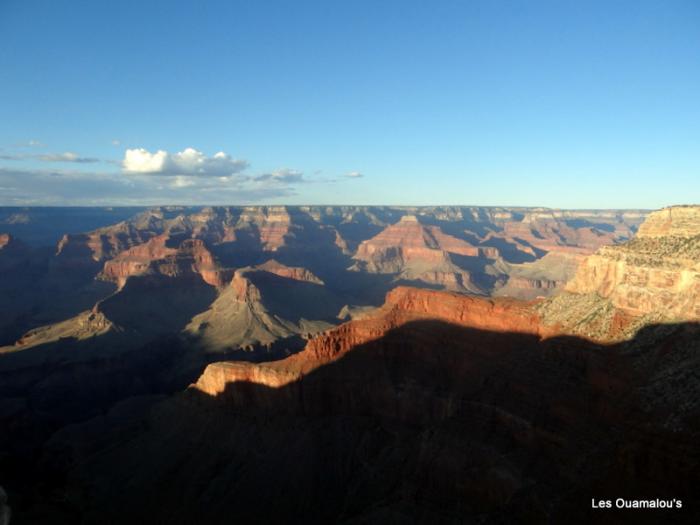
(657,271)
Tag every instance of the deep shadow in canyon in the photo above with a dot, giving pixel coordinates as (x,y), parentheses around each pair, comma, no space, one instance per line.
(431,423)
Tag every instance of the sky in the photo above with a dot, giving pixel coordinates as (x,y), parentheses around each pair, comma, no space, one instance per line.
(564,104)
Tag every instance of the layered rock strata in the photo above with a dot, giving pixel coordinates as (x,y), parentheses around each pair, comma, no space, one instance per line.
(657,271)
(403,305)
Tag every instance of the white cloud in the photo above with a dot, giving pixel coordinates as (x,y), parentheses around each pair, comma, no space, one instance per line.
(188,162)
(143,161)
(183,182)
(354,175)
(282,176)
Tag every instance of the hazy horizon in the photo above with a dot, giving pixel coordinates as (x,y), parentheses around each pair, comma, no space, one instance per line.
(331,205)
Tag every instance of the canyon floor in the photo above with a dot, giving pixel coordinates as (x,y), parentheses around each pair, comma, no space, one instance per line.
(349,364)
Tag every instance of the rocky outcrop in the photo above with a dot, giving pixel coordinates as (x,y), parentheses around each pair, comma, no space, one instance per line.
(137,260)
(460,409)
(84,326)
(676,221)
(543,277)
(103,243)
(415,251)
(246,317)
(270,224)
(219,375)
(158,256)
(528,283)
(243,289)
(656,272)
(546,233)
(414,241)
(193,256)
(403,305)
(289,272)
(443,247)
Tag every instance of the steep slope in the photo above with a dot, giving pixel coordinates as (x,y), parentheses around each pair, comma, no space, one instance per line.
(437,408)
(403,305)
(653,277)
(289,272)
(540,278)
(237,319)
(168,256)
(414,251)
(271,225)
(263,305)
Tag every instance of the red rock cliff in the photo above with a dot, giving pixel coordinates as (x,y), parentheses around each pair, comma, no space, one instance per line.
(403,305)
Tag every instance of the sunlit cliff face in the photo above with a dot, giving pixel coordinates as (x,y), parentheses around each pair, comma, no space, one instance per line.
(658,271)
(403,305)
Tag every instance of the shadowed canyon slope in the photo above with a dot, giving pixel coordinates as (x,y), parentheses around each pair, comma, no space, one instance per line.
(437,408)
(209,383)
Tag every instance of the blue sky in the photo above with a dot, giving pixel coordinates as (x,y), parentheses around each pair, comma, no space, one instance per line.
(561,104)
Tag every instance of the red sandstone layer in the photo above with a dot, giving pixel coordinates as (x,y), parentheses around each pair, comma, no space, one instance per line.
(403,305)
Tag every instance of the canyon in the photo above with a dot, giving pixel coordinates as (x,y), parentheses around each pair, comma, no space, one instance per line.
(353,364)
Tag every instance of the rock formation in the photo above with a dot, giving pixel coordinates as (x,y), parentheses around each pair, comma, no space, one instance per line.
(435,407)
(296,273)
(415,251)
(542,277)
(653,277)
(403,305)
(262,305)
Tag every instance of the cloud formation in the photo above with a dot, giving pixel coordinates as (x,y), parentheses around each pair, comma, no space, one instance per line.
(186,162)
(283,176)
(25,187)
(67,156)
(149,178)
(354,175)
